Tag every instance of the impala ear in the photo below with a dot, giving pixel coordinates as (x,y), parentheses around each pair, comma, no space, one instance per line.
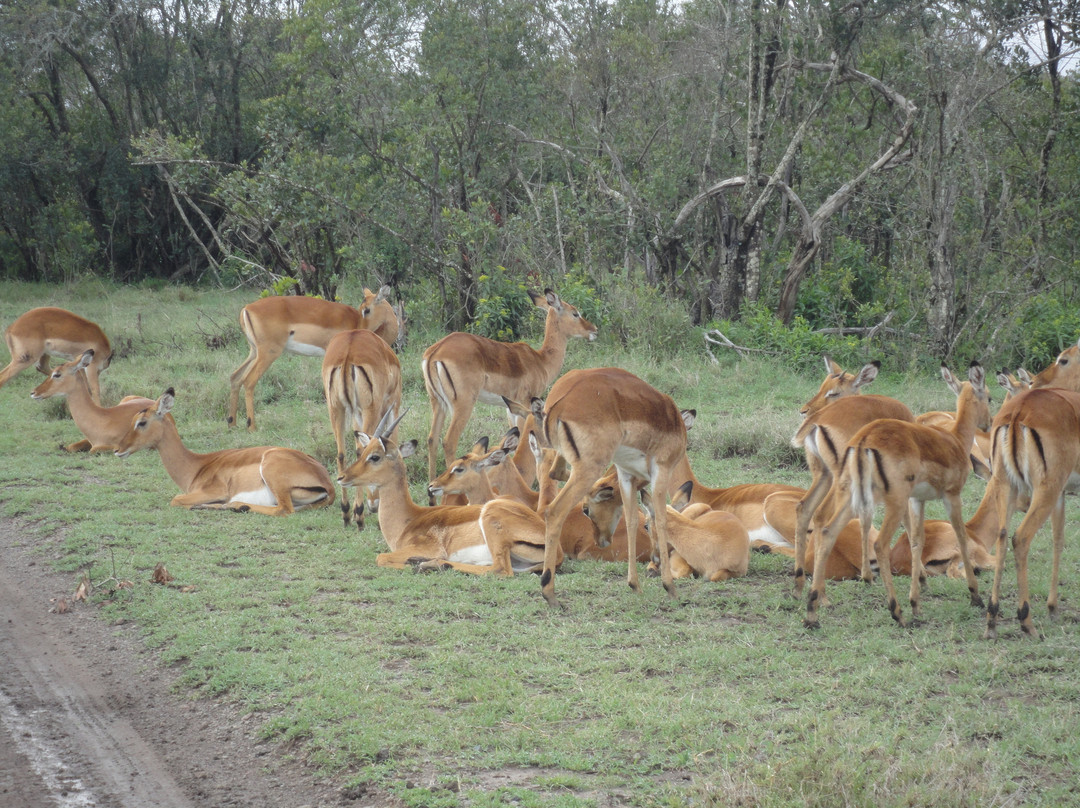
(85,359)
(688,418)
(538,299)
(687,490)
(950,380)
(552,299)
(480,446)
(981,470)
(1024,376)
(831,368)
(493,459)
(165,403)
(976,375)
(511,439)
(408,448)
(868,373)
(515,408)
(604,494)
(384,293)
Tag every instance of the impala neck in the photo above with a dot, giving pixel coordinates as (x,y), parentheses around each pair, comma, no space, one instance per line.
(181,463)
(553,350)
(396,507)
(984,524)
(966,413)
(81,404)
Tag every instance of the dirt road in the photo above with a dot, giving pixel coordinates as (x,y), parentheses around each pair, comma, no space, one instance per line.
(87,719)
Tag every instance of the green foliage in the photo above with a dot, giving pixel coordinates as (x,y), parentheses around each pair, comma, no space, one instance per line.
(1047,324)
(850,288)
(503,307)
(798,344)
(281,286)
(644,319)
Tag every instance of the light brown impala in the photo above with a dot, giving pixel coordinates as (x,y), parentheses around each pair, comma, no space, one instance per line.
(461,369)
(823,435)
(838,384)
(300,325)
(470,476)
(1064,373)
(45,332)
(361,378)
(503,519)
(103,427)
(597,417)
(705,542)
(447,535)
(1036,451)
(265,479)
(902,465)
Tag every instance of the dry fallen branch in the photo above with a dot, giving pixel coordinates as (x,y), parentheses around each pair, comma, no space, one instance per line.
(715,337)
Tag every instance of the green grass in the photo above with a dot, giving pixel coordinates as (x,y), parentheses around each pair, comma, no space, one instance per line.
(448,690)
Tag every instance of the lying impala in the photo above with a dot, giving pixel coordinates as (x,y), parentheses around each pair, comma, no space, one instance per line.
(300,325)
(448,535)
(705,542)
(592,419)
(45,332)
(469,476)
(899,463)
(461,369)
(103,427)
(1036,451)
(361,379)
(264,479)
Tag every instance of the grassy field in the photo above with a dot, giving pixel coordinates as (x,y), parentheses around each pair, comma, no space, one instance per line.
(446,690)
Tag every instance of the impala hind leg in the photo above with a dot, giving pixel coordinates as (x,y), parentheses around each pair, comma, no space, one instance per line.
(826,540)
(1006,502)
(17,365)
(1057,523)
(952,510)
(889,524)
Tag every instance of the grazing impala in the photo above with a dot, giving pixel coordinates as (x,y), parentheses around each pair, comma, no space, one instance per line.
(264,479)
(362,382)
(1036,451)
(300,325)
(597,417)
(45,332)
(900,463)
(461,369)
(102,426)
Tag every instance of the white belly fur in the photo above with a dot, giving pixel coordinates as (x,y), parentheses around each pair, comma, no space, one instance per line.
(477,554)
(303,349)
(260,496)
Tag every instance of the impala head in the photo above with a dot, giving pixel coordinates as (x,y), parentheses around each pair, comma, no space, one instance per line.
(571,323)
(603,506)
(63,378)
(972,393)
(1014,384)
(380,457)
(1065,372)
(147,426)
(682,496)
(839,384)
(466,474)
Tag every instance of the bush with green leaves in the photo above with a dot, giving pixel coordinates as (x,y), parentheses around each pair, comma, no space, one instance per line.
(1046,326)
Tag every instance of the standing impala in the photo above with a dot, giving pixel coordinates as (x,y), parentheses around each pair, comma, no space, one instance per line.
(1036,451)
(264,479)
(300,325)
(902,464)
(597,417)
(461,369)
(103,427)
(45,332)
(362,382)
(839,384)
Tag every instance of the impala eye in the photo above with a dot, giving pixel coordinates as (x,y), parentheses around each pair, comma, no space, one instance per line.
(374,458)
(585,510)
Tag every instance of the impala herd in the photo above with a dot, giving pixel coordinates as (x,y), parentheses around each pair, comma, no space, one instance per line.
(611,438)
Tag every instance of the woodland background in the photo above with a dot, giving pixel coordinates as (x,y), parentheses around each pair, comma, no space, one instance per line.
(771,168)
